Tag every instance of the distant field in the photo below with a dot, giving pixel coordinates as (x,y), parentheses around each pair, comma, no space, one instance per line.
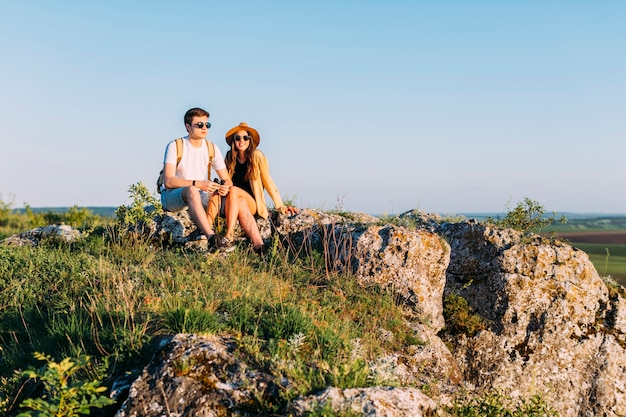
(608,237)
(590,224)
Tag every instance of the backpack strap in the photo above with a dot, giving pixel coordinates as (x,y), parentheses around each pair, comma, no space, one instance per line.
(179,150)
(211,149)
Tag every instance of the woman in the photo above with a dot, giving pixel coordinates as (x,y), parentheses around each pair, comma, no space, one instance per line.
(249,170)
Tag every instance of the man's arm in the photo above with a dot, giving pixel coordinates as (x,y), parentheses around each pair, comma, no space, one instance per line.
(172,181)
(223,174)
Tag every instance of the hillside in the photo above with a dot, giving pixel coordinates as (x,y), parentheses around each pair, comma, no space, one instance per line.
(345,311)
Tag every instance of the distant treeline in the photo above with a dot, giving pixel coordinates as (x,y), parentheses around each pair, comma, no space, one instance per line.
(98,211)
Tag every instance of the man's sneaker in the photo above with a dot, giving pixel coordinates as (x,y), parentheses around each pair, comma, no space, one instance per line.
(212,243)
(224,244)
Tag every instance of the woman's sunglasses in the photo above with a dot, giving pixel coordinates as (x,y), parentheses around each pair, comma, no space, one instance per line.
(240,138)
(201,125)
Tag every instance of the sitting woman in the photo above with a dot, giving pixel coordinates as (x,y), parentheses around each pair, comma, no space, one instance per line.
(249,170)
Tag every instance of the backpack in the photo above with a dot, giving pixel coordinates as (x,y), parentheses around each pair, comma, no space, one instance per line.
(179,155)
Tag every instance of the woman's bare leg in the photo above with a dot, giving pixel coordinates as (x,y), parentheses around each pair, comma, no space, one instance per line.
(238,208)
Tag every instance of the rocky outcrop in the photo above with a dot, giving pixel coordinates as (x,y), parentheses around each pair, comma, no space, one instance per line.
(552,327)
(199,376)
(32,237)
(208,376)
(374,402)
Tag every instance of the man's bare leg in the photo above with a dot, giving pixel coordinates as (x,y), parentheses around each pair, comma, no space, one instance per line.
(191,195)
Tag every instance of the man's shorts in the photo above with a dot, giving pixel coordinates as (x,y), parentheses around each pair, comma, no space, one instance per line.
(172,199)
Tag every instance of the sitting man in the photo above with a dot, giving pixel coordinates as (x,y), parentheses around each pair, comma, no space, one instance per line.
(187,183)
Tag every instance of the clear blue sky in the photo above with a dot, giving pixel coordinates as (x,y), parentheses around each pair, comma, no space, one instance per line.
(372,106)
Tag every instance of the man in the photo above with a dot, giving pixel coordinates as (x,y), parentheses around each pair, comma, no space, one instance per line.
(188,184)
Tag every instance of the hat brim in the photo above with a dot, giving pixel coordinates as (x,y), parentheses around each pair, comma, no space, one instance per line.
(256,138)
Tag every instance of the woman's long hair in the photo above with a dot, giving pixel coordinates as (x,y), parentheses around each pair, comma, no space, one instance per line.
(231,159)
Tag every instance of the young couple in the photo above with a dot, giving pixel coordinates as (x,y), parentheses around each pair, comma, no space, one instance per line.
(244,174)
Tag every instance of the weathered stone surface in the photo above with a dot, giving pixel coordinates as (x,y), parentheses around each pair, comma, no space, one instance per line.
(198,376)
(173,227)
(32,237)
(371,402)
(412,262)
(549,331)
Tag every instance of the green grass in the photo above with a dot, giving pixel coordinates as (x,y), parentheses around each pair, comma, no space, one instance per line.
(597,224)
(110,298)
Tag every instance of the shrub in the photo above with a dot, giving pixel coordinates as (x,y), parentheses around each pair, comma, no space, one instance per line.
(528,216)
(142,208)
(460,319)
(64,393)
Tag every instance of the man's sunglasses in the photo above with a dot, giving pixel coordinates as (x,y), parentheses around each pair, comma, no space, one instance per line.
(239,138)
(201,125)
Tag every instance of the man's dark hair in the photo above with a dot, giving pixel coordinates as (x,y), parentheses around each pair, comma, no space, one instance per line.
(191,113)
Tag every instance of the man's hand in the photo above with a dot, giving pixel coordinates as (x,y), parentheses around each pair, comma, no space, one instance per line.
(208,186)
(223,187)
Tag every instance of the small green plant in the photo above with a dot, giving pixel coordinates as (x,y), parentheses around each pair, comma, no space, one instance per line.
(142,208)
(613,286)
(460,319)
(326,410)
(408,221)
(290,200)
(496,404)
(65,395)
(528,216)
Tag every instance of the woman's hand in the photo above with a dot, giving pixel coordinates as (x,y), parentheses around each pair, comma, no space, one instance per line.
(290,210)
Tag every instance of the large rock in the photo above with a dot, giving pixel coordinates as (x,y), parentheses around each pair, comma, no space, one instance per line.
(553,328)
(32,237)
(200,377)
(208,376)
(411,262)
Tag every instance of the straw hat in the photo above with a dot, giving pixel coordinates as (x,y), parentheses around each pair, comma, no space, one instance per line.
(243,126)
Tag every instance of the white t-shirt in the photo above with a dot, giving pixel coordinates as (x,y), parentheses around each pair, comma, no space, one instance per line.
(193,164)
